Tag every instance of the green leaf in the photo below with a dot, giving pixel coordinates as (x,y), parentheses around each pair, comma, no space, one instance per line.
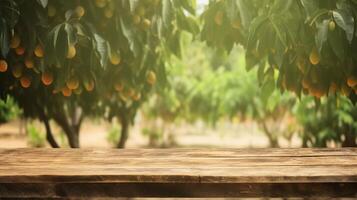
(260,73)
(4,38)
(245,13)
(256,23)
(167,12)
(187,23)
(251,62)
(69,14)
(345,20)
(175,44)
(10,12)
(61,47)
(321,36)
(131,37)
(189,5)
(157,21)
(317,14)
(102,47)
(338,43)
(43,3)
(267,89)
(278,32)
(71,35)
(55,32)
(231,9)
(345,117)
(133,4)
(310,6)
(281,6)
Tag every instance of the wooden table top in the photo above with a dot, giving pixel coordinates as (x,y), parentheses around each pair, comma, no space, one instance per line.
(178,166)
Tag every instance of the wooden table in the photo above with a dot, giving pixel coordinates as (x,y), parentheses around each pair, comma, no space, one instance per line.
(60,173)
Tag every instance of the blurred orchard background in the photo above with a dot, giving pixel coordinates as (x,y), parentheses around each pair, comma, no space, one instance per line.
(163,74)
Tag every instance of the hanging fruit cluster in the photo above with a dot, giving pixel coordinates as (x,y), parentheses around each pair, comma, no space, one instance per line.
(103,57)
(115,48)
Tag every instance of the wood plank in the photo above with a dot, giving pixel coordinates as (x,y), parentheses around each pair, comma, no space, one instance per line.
(184,152)
(185,162)
(182,175)
(181,190)
(297,171)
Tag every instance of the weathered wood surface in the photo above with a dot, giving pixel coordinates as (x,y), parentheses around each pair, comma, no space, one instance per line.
(61,173)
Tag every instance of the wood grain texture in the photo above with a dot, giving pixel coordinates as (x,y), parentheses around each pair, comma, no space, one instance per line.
(57,173)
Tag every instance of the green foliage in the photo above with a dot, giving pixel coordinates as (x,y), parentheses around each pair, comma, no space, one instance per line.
(8,110)
(114,135)
(154,135)
(202,89)
(212,87)
(311,43)
(34,137)
(63,140)
(333,122)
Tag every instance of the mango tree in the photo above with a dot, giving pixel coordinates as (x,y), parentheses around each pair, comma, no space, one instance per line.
(310,43)
(67,60)
(213,86)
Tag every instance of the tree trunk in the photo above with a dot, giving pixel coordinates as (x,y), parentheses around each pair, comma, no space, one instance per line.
(71,130)
(76,119)
(23,125)
(350,140)
(273,140)
(49,136)
(72,135)
(124,131)
(73,139)
(304,141)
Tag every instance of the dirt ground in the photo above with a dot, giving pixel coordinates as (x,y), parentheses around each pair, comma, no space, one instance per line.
(94,134)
